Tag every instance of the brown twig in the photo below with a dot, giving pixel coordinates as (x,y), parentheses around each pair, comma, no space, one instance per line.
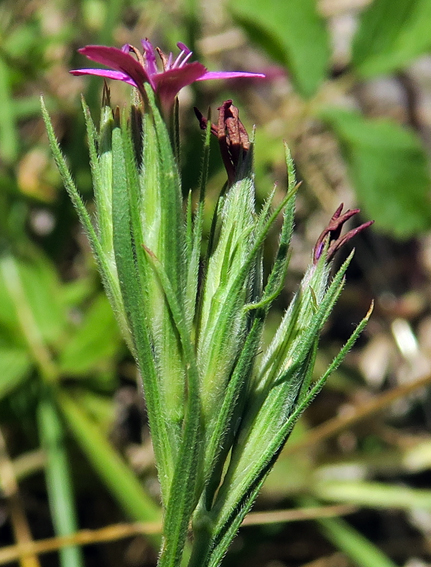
(338,424)
(122,531)
(20,526)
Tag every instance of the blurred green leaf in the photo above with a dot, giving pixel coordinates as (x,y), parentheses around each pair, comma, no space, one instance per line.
(8,132)
(32,322)
(373,494)
(292,33)
(112,11)
(99,407)
(9,327)
(360,549)
(391,33)
(42,290)
(75,292)
(28,106)
(15,365)
(96,340)
(20,41)
(389,169)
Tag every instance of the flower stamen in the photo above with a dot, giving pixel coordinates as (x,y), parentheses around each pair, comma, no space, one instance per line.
(178,63)
(150,58)
(165,60)
(128,48)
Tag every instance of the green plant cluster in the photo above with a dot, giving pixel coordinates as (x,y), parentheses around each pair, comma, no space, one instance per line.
(219,410)
(59,343)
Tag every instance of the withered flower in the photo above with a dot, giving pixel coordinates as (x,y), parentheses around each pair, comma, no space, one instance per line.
(232,136)
(332,233)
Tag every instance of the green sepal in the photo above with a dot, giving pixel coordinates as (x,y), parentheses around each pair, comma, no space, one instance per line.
(223,529)
(161,214)
(277,275)
(271,404)
(100,149)
(132,287)
(195,234)
(182,495)
(230,411)
(228,307)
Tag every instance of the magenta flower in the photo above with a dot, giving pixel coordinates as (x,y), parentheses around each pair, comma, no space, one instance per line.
(135,68)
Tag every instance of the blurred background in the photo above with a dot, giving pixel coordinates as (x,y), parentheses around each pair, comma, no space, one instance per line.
(349,88)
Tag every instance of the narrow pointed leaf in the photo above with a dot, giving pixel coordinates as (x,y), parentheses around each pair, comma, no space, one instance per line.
(132,291)
(348,540)
(109,281)
(182,498)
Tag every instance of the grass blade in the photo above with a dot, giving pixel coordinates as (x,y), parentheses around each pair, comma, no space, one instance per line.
(59,483)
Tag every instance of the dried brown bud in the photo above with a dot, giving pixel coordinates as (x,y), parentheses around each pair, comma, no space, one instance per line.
(232,136)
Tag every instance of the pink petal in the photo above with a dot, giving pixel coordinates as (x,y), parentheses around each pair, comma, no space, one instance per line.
(118,60)
(117,75)
(229,75)
(169,83)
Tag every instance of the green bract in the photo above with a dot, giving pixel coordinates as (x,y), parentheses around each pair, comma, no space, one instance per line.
(220,409)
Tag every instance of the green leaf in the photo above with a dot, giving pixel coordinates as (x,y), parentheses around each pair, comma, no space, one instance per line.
(76,292)
(42,291)
(99,407)
(29,327)
(391,33)
(292,33)
(360,549)
(15,366)
(96,340)
(389,168)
